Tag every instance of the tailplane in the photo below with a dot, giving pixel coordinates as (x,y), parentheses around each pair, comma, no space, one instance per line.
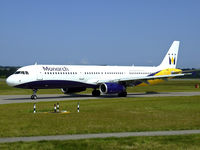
(171,57)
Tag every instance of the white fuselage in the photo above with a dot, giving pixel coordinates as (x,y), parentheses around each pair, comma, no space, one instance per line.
(88,75)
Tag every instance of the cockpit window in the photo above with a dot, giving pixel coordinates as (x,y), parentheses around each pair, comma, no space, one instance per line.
(18,72)
(22,72)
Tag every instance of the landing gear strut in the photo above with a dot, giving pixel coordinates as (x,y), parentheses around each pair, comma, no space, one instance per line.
(96,93)
(34,96)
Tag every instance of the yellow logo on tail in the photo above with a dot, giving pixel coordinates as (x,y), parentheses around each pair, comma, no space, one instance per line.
(172,60)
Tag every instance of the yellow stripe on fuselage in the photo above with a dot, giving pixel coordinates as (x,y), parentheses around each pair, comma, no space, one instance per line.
(162,72)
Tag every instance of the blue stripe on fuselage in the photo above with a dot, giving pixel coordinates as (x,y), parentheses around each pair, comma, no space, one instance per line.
(153,74)
(54,84)
(139,82)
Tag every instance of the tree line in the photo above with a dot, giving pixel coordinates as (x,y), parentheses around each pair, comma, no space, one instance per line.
(6,71)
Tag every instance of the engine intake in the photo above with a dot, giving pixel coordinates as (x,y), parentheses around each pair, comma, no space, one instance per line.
(111,88)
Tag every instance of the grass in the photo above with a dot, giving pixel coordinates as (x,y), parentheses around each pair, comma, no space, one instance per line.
(102,115)
(106,115)
(169,86)
(190,142)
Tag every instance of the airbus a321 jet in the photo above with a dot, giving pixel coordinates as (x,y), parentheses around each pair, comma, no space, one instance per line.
(102,79)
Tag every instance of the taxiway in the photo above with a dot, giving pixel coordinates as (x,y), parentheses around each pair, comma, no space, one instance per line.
(7,99)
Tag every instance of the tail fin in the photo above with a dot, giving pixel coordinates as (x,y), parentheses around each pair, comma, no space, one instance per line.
(171,57)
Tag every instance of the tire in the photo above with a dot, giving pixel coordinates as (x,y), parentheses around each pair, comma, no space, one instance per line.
(33,97)
(122,94)
(96,93)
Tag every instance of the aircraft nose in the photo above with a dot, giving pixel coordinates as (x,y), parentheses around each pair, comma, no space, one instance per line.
(10,81)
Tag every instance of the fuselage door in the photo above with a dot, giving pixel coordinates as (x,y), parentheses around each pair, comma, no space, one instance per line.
(39,73)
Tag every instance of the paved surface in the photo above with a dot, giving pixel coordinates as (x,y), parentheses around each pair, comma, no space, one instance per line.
(101,135)
(6,99)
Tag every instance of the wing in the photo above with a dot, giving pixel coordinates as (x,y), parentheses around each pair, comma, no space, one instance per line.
(187,72)
(132,80)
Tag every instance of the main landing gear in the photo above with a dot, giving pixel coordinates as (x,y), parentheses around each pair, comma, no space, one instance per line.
(96,93)
(34,96)
(122,94)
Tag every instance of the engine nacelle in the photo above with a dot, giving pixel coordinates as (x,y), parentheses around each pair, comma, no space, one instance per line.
(111,88)
(73,90)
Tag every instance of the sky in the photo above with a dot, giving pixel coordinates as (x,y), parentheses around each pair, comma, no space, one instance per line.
(98,32)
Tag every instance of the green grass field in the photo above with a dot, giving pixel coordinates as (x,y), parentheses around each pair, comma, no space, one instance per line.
(105,115)
(183,142)
(169,86)
(102,115)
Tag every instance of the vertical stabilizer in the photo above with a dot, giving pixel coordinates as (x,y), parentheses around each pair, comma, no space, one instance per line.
(171,57)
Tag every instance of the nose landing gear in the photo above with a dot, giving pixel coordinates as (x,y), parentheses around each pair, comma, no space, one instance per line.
(34,96)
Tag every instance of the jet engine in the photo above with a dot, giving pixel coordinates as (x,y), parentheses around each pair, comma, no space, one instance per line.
(73,90)
(111,88)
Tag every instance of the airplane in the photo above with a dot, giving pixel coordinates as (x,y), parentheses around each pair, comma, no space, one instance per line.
(102,79)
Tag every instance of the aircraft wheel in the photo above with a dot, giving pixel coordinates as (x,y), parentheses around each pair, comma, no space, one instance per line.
(96,93)
(34,97)
(122,94)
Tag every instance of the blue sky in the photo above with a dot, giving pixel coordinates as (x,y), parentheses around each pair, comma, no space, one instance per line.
(102,32)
